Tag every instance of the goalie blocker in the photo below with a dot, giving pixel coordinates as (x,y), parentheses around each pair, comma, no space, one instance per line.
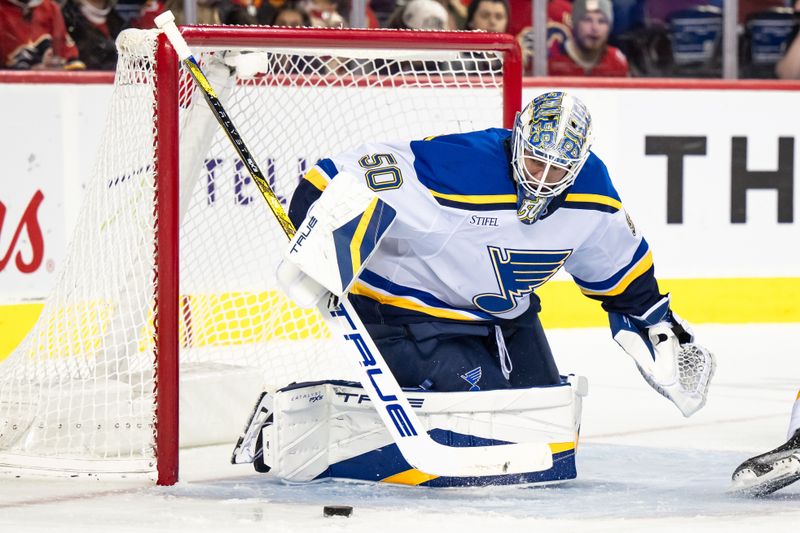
(329,429)
(333,244)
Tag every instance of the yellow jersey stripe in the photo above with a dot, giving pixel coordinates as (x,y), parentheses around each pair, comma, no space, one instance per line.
(404,303)
(358,236)
(477,198)
(594,199)
(641,267)
(315,178)
(409,477)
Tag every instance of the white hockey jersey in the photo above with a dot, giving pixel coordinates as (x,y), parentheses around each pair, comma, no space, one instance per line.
(458,250)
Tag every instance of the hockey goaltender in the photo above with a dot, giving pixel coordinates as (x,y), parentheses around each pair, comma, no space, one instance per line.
(439,244)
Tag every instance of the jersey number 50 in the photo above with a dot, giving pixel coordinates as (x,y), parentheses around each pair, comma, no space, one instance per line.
(381,174)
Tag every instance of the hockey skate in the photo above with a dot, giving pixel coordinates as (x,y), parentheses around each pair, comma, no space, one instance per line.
(250,447)
(768,472)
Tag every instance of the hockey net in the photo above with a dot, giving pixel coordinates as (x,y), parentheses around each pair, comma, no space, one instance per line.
(93,388)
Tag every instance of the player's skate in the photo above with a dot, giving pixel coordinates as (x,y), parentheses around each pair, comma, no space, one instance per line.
(768,472)
(250,448)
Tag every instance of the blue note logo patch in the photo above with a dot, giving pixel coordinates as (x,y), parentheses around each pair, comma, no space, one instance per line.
(518,273)
(473,377)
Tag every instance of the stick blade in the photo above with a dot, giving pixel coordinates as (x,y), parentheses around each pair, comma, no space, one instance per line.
(478,461)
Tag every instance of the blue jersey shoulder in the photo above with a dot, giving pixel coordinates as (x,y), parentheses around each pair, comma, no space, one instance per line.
(474,163)
(594,179)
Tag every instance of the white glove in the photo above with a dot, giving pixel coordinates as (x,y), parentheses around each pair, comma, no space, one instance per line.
(660,343)
(340,233)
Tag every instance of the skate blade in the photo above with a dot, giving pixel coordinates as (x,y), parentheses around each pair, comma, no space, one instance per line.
(245,449)
(784,472)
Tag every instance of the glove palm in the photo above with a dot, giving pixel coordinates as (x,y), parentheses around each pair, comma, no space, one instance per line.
(662,346)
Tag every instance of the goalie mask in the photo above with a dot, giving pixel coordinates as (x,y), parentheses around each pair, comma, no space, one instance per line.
(551,140)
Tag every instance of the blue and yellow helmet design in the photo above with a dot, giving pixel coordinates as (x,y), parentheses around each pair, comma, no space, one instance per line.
(551,140)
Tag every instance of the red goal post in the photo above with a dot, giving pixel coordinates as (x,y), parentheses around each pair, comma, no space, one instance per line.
(172,259)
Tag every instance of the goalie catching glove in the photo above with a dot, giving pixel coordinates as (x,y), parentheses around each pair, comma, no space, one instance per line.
(662,346)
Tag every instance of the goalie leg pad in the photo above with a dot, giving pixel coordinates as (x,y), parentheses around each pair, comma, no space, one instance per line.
(330,430)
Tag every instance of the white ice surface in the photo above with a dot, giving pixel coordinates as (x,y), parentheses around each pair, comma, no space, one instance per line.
(641,466)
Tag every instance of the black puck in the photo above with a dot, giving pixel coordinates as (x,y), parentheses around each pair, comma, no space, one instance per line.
(337,510)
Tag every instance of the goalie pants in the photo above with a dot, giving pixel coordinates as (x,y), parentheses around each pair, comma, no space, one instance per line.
(457,356)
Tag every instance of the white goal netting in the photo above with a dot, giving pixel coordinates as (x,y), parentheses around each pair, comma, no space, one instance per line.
(79,393)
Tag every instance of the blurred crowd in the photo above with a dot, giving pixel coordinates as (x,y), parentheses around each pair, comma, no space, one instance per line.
(665,38)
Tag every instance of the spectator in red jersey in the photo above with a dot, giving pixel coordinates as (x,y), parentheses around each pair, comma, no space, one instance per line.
(94,25)
(33,36)
(587,52)
(488,15)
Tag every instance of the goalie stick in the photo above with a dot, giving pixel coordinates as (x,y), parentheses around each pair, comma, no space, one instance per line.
(417,447)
